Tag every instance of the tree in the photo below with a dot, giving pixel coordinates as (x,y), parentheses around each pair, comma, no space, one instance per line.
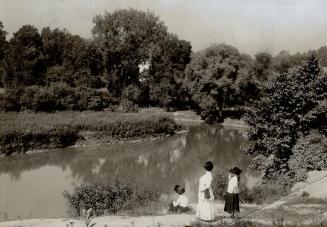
(167,64)
(126,38)
(292,104)
(83,62)
(262,65)
(53,45)
(3,49)
(284,61)
(25,63)
(322,55)
(219,77)
(72,59)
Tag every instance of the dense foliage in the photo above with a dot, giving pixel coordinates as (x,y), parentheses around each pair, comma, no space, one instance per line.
(131,51)
(292,104)
(58,96)
(109,198)
(219,77)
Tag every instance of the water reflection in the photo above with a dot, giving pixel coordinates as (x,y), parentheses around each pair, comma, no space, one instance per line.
(162,163)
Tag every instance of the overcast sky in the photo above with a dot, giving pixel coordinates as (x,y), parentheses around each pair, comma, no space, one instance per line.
(249,25)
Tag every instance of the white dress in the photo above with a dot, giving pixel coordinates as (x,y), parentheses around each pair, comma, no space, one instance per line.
(205,207)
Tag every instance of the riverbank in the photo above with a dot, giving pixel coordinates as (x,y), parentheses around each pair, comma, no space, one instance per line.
(25,131)
(37,132)
(297,211)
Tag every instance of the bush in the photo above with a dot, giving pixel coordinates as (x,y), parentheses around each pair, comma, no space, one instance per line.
(10,100)
(109,198)
(309,153)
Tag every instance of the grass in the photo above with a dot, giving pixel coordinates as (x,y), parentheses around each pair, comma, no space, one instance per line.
(277,223)
(306,201)
(20,132)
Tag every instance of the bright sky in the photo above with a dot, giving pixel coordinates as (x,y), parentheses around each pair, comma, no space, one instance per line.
(249,25)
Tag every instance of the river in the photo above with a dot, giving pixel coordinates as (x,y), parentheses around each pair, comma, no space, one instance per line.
(31,185)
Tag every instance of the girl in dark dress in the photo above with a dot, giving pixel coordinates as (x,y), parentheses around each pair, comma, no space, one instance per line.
(232,203)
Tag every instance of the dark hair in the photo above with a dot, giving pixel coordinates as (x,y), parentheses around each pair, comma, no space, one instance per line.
(181,191)
(237,171)
(208,166)
(176,188)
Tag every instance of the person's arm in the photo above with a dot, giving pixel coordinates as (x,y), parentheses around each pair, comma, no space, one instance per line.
(177,203)
(202,184)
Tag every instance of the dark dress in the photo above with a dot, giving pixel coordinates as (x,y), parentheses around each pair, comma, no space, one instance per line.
(232,203)
(178,209)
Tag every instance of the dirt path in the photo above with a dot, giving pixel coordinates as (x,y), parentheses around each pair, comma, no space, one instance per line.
(167,220)
(298,211)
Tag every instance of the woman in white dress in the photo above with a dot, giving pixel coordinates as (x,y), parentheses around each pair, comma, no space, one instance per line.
(205,207)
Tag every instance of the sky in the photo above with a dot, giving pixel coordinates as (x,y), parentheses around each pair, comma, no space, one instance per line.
(250,25)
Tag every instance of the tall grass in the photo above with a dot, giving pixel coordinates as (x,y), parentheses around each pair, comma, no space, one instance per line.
(20,132)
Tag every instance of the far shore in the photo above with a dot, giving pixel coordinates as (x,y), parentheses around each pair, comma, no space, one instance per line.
(27,132)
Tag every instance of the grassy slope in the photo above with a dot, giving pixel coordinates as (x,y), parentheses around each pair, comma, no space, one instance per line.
(20,132)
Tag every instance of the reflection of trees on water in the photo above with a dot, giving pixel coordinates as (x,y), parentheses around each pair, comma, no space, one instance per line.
(163,163)
(16,165)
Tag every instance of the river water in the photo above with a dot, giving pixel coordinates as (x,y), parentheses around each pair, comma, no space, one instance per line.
(31,185)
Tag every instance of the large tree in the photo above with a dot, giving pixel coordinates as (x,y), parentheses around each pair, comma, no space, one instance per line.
(291,105)
(71,59)
(167,64)
(219,77)
(126,37)
(25,63)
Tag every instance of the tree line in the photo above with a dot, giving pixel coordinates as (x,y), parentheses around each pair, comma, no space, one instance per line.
(131,60)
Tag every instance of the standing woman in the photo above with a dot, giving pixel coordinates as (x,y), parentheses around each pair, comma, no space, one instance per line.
(232,203)
(205,207)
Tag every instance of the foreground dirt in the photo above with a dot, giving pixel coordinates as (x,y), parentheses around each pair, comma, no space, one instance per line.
(285,212)
(169,220)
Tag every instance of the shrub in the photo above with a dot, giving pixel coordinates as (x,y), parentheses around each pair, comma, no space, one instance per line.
(309,153)
(108,198)
(305,194)
(10,100)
